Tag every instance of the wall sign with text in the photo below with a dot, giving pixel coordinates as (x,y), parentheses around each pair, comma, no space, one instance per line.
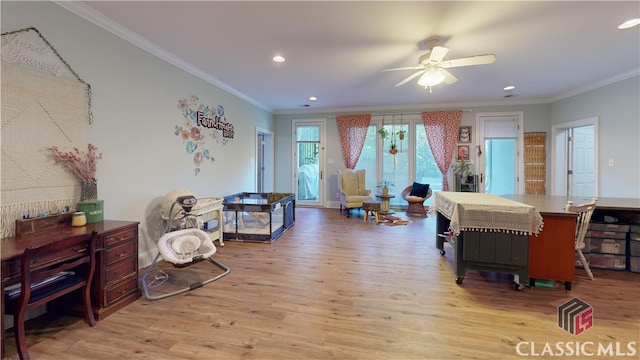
(203,126)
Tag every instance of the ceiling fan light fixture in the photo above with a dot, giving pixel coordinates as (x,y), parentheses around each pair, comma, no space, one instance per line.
(431,78)
(629,24)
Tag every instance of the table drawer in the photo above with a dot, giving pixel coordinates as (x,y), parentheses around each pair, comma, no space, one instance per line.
(120,270)
(46,259)
(120,236)
(11,269)
(120,290)
(121,252)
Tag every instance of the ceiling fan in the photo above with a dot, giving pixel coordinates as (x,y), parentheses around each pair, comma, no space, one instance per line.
(431,66)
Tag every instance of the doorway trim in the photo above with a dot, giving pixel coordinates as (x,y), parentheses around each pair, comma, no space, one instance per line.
(559,155)
(479,146)
(322,122)
(268,155)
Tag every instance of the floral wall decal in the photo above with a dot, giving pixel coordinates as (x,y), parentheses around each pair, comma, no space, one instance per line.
(202,127)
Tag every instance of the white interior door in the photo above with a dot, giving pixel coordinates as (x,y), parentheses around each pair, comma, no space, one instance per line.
(583,182)
(574,169)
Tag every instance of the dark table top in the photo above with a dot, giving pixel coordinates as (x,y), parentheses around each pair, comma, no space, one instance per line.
(15,245)
(556,204)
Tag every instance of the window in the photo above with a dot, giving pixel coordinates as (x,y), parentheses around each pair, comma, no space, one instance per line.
(368,159)
(412,162)
(395,167)
(427,171)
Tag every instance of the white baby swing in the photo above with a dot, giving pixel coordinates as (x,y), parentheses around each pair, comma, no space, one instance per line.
(183,247)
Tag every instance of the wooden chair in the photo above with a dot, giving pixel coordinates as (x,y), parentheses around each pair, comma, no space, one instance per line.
(416,203)
(42,280)
(584,217)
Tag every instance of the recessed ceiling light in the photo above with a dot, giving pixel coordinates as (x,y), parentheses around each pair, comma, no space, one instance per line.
(313,98)
(278,58)
(629,23)
(510,87)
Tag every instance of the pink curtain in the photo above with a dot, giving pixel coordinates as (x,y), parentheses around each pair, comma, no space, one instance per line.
(442,133)
(353,131)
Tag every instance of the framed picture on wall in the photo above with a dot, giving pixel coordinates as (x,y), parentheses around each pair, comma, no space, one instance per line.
(463,152)
(464,134)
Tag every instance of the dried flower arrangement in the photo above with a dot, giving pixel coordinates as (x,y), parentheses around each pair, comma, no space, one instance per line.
(80,163)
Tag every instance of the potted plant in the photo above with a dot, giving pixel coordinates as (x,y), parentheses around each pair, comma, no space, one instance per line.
(463,168)
(385,185)
(384,133)
(393,149)
(401,134)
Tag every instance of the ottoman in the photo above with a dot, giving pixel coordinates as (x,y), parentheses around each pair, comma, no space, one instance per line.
(373,207)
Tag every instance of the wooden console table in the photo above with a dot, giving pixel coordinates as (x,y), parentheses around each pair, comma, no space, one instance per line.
(115,283)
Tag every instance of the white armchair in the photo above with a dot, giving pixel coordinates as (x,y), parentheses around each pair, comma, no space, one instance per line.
(352,189)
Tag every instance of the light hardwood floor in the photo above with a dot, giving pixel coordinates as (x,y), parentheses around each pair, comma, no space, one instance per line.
(339,288)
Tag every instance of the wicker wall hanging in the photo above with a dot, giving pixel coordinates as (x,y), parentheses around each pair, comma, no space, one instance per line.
(535,163)
(44,103)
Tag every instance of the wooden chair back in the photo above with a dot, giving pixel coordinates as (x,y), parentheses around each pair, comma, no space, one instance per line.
(582,225)
(48,272)
(352,182)
(585,211)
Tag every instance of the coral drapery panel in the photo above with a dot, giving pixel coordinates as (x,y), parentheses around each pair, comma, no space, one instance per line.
(353,131)
(442,131)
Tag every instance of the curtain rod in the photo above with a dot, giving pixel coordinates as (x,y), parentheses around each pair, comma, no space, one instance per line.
(394,114)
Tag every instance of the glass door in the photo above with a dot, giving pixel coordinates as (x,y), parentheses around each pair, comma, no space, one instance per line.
(395,159)
(308,162)
(498,161)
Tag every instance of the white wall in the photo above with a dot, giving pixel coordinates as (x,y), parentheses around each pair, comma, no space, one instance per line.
(618,110)
(135,96)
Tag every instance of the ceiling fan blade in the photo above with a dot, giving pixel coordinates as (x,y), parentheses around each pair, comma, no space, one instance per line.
(404,68)
(410,77)
(448,77)
(437,54)
(468,61)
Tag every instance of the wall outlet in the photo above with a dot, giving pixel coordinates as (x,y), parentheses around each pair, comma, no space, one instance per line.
(337,195)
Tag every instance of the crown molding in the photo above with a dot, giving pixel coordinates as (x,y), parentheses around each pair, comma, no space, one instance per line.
(115,28)
(416,107)
(512,101)
(582,90)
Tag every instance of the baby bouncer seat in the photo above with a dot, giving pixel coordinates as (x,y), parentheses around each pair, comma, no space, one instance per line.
(182,245)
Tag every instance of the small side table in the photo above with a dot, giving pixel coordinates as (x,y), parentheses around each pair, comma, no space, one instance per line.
(372,206)
(385,206)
